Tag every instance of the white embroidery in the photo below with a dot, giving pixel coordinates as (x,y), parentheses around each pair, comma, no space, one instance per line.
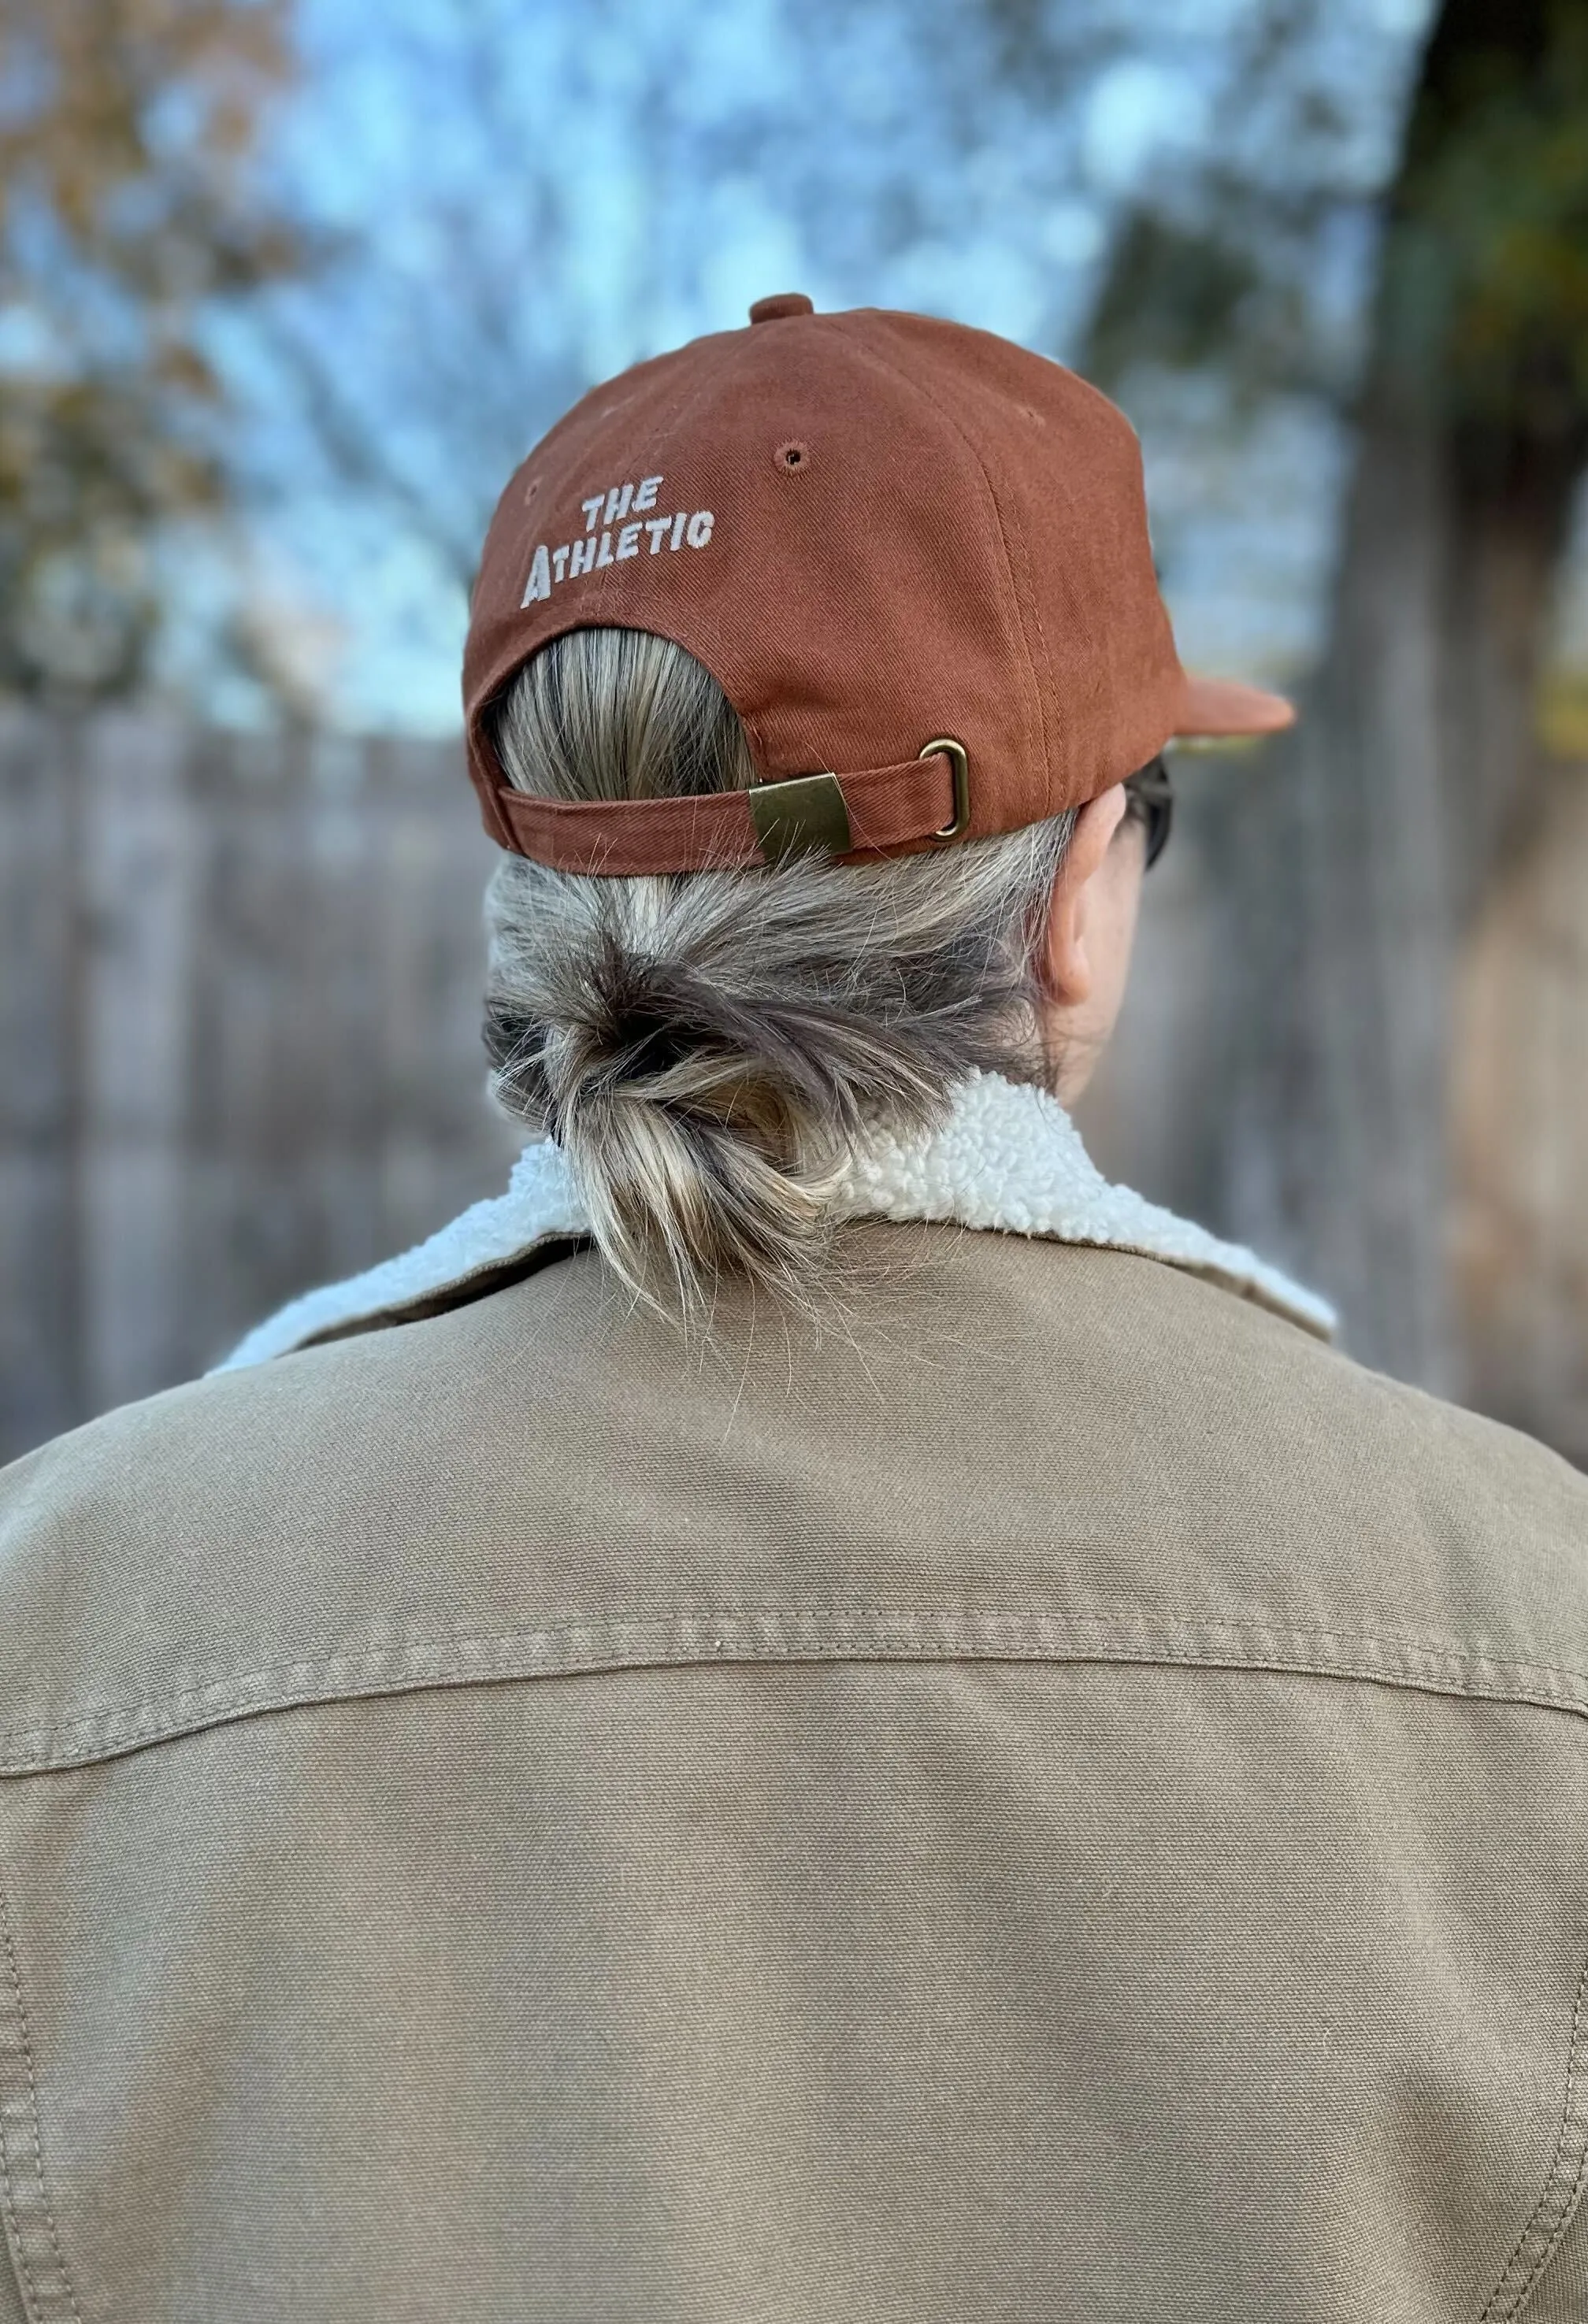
(603,511)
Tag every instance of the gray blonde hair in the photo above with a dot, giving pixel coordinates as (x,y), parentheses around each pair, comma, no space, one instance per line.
(708,1047)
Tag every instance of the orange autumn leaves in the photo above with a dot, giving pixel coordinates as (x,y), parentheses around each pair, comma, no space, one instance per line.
(131,200)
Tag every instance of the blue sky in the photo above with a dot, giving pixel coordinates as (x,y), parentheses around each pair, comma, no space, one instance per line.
(531,194)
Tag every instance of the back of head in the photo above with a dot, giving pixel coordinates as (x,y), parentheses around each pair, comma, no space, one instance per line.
(709,1047)
(796,657)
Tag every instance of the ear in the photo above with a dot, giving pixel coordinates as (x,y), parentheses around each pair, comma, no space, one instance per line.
(1066,970)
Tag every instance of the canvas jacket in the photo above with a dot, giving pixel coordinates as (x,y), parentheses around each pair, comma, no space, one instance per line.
(1051,1794)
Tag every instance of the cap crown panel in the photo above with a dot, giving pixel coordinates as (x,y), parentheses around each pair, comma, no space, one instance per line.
(854,604)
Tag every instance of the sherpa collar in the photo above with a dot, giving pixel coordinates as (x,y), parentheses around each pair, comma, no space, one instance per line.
(1008,1156)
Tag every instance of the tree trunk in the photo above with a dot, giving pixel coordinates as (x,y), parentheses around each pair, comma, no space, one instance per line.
(1365,847)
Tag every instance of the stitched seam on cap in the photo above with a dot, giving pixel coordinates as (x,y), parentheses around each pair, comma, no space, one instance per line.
(709,632)
(885,363)
(1553,2213)
(45,2282)
(773,1634)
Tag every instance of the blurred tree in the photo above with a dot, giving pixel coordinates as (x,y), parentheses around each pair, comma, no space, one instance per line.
(128,206)
(586,173)
(1364,857)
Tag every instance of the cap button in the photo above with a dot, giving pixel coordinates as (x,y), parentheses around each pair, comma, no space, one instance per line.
(781,303)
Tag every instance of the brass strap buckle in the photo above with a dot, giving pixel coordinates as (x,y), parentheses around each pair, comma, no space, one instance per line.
(798,813)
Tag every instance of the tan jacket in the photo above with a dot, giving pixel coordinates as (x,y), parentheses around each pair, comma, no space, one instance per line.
(1060,1798)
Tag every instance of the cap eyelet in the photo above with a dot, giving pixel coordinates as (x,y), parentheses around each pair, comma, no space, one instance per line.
(791,457)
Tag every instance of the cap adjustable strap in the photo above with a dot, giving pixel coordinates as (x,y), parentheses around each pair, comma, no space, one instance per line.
(926,797)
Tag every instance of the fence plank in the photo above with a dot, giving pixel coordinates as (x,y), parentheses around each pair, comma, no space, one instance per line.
(135,972)
(42,1376)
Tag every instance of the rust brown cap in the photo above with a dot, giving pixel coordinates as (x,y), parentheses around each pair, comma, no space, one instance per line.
(878,532)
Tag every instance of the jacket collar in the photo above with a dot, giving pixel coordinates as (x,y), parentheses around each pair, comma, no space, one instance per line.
(1008,1157)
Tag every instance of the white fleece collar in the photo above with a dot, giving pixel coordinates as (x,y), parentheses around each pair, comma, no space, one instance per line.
(1008,1156)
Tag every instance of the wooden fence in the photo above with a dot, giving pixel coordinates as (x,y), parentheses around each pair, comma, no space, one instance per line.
(239,1053)
(239,1038)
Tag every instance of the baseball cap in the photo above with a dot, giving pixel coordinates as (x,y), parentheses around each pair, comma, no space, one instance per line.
(914,555)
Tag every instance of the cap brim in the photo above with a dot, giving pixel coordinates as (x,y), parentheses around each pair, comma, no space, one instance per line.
(1222,706)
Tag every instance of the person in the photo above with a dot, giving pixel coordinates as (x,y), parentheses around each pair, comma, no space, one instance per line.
(814,1713)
